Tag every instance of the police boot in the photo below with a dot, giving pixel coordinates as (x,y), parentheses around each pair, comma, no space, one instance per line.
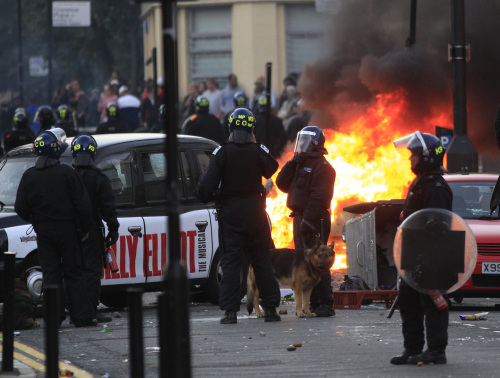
(271,315)
(101,318)
(229,318)
(402,359)
(323,311)
(430,356)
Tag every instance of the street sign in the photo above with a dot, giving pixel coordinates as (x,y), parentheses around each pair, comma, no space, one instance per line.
(70,13)
(38,66)
(445,135)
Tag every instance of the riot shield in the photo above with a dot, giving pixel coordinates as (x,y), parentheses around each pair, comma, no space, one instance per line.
(434,249)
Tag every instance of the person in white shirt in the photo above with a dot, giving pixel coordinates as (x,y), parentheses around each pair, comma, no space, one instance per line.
(214,96)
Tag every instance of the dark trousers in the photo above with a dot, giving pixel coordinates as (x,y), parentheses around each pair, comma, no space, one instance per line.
(323,291)
(417,310)
(245,232)
(93,251)
(60,257)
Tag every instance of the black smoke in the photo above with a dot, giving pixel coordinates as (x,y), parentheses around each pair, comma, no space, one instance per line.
(366,55)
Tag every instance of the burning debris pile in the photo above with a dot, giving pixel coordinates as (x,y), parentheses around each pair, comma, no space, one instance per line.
(371,89)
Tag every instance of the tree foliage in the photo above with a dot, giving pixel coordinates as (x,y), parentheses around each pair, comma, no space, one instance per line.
(113,42)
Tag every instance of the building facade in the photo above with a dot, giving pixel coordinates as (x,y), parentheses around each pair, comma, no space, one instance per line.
(219,37)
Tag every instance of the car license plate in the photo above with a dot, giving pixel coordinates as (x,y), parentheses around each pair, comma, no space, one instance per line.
(490,268)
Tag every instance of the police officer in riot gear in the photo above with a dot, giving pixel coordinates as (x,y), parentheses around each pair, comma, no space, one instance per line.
(308,178)
(113,124)
(238,166)
(52,197)
(64,120)
(240,100)
(428,190)
(83,150)
(203,123)
(277,136)
(159,127)
(20,133)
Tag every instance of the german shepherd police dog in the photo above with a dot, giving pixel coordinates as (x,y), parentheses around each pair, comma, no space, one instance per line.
(24,308)
(300,269)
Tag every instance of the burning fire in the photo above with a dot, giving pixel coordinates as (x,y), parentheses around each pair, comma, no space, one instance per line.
(368,166)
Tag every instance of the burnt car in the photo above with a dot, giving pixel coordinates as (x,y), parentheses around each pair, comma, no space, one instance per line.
(136,167)
(369,237)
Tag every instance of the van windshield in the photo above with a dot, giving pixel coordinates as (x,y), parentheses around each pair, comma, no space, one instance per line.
(11,171)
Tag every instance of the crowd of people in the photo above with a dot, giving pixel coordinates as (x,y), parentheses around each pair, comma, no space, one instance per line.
(116,109)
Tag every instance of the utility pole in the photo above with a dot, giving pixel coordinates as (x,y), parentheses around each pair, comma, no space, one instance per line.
(462,156)
(20,51)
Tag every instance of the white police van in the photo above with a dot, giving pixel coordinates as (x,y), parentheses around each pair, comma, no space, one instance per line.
(136,167)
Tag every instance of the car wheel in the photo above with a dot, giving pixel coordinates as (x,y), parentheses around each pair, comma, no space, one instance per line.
(32,272)
(212,287)
(113,299)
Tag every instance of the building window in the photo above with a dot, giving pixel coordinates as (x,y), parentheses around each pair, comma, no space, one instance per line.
(210,43)
(304,35)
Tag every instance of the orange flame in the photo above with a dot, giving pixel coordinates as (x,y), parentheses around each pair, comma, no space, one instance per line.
(368,166)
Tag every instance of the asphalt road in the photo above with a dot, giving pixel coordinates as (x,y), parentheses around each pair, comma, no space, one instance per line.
(354,343)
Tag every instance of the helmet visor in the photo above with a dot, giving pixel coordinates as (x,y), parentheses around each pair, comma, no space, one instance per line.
(304,142)
(59,133)
(412,141)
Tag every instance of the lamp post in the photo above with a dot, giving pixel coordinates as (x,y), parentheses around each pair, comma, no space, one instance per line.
(20,51)
(462,156)
(175,354)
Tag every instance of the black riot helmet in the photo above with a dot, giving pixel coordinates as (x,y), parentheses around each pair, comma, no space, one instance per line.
(241,124)
(113,112)
(262,103)
(83,150)
(202,104)
(45,117)
(310,139)
(427,147)
(50,143)
(20,121)
(240,100)
(63,112)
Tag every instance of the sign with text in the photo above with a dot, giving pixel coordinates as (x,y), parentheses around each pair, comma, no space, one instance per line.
(70,13)
(38,66)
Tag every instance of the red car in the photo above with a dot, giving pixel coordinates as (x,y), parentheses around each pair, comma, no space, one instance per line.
(471,200)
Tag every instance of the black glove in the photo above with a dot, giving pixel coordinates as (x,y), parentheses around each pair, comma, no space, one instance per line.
(307,227)
(112,237)
(300,158)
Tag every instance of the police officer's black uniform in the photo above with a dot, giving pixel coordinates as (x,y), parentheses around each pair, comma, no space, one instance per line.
(428,190)
(15,138)
(52,197)
(309,181)
(112,127)
(205,125)
(102,200)
(239,166)
(20,133)
(114,124)
(277,136)
(67,126)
